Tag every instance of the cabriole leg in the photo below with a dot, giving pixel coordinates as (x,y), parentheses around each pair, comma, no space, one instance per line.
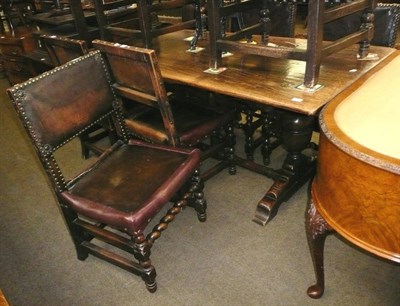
(317,230)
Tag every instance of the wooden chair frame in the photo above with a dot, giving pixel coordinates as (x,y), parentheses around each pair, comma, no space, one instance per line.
(96,203)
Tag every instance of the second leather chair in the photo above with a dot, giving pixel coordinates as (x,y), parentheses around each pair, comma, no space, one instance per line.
(159,118)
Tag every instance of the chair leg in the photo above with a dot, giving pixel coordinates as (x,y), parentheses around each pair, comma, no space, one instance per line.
(217,137)
(77,234)
(268,131)
(230,150)
(142,245)
(88,140)
(112,136)
(265,145)
(85,152)
(199,202)
(141,251)
(248,132)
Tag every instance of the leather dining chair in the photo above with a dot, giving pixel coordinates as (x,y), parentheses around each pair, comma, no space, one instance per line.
(107,206)
(164,117)
(61,50)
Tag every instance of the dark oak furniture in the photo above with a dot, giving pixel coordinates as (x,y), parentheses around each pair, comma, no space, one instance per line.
(356,188)
(138,22)
(16,67)
(158,116)
(271,83)
(70,20)
(62,49)
(21,58)
(386,25)
(118,20)
(315,52)
(283,22)
(114,199)
(282,18)
(150,30)
(15,13)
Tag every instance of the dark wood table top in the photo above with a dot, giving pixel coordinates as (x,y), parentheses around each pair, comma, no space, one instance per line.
(262,80)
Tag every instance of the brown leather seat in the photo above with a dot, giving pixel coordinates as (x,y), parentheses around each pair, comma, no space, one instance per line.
(163,117)
(116,197)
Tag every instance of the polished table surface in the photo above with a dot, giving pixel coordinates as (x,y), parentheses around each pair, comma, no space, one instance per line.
(257,80)
(268,81)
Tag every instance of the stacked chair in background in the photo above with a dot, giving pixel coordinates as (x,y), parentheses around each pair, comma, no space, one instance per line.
(386,25)
(139,21)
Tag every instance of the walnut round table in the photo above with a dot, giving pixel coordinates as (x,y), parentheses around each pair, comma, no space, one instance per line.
(356,190)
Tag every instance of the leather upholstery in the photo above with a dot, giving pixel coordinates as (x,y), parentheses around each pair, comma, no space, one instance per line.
(103,193)
(62,50)
(71,111)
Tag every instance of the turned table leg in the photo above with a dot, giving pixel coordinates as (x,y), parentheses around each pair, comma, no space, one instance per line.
(296,132)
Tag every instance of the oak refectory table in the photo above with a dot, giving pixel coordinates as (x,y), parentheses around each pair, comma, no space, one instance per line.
(270,82)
